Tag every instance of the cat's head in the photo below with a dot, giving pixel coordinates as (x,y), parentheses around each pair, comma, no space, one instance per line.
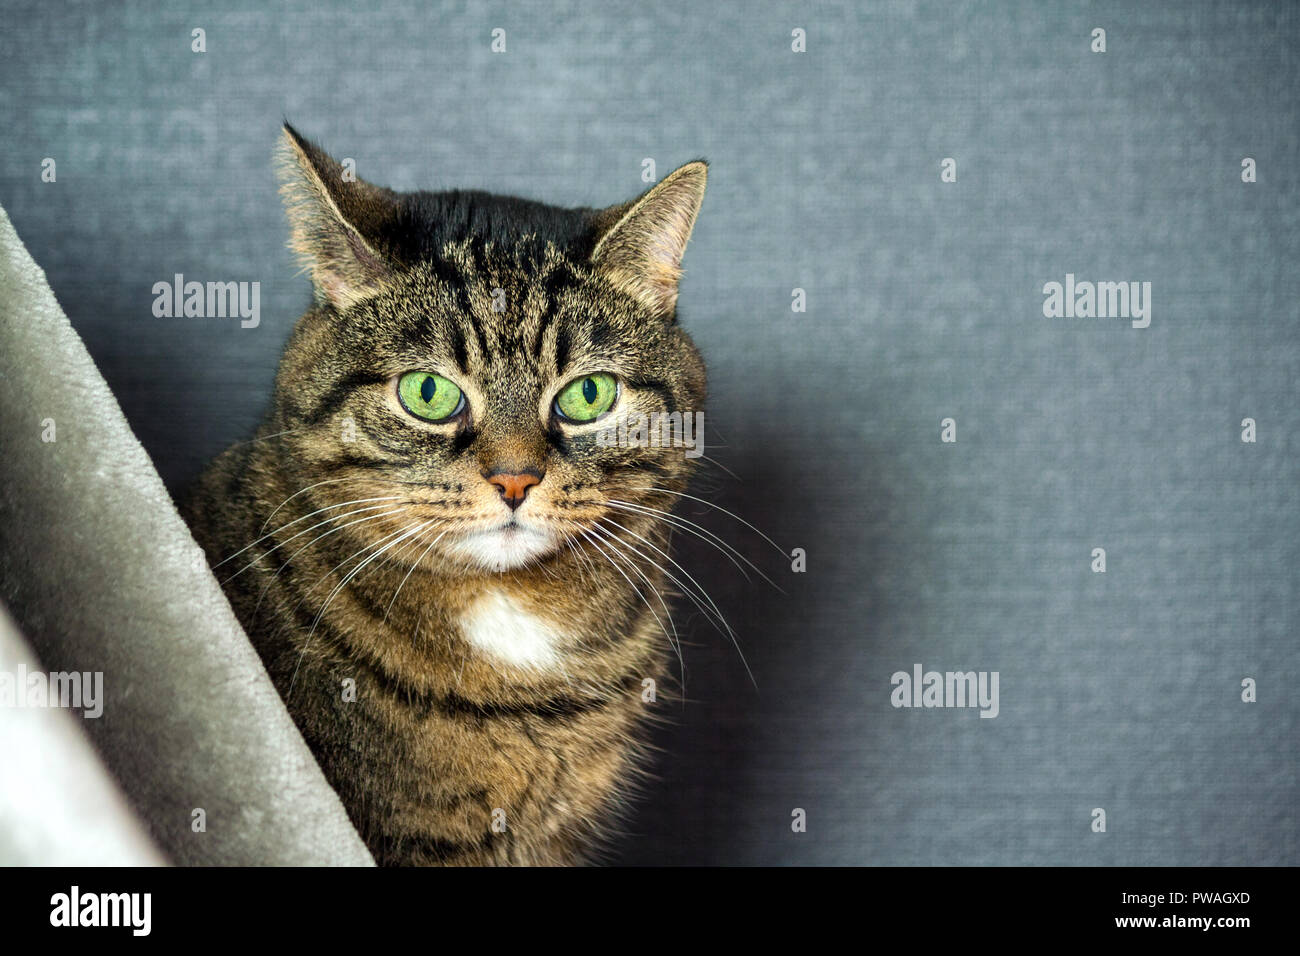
(468,355)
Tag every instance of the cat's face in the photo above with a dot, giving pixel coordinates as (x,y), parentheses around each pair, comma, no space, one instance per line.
(468,383)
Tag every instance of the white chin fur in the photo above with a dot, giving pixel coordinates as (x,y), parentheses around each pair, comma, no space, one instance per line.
(502,549)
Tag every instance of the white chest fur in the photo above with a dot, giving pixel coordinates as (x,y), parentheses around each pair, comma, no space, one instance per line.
(498,627)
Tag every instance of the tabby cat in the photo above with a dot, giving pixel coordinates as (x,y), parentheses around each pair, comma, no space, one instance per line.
(458,589)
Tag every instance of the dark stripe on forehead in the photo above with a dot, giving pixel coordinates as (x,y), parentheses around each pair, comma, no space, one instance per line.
(562,348)
(478,254)
(444,272)
(558,279)
(457,336)
(469,324)
(448,275)
(540,331)
(472,315)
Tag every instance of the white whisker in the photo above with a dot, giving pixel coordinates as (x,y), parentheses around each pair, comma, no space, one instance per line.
(615,566)
(327,481)
(710,504)
(403,532)
(299,534)
(416,564)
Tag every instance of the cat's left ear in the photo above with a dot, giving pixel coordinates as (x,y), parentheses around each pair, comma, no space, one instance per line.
(335,222)
(642,242)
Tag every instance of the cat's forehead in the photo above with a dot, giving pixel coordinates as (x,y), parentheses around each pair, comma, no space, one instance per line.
(499,268)
(490,312)
(510,293)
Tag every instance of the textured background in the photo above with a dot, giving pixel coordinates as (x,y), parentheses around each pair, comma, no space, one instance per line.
(1118,690)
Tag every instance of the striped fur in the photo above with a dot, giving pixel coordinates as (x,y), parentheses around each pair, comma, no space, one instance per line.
(350,536)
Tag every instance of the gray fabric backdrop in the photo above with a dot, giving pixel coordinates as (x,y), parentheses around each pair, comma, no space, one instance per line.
(1119,690)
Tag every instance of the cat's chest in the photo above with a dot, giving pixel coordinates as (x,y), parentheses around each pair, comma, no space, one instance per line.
(499,627)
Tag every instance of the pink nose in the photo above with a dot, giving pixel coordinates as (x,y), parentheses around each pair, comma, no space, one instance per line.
(514,488)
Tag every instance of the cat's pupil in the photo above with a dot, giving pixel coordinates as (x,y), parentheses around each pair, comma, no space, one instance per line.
(589,390)
(427,388)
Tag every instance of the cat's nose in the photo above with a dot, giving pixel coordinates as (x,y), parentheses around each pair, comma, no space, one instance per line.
(514,487)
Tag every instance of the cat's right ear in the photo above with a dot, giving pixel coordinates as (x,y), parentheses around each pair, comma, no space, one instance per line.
(335,220)
(641,243)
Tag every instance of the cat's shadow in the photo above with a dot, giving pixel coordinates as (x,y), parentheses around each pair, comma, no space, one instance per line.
(725,775)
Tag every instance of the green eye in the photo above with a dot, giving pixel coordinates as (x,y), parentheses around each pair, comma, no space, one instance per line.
(429,396)
(585,399)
